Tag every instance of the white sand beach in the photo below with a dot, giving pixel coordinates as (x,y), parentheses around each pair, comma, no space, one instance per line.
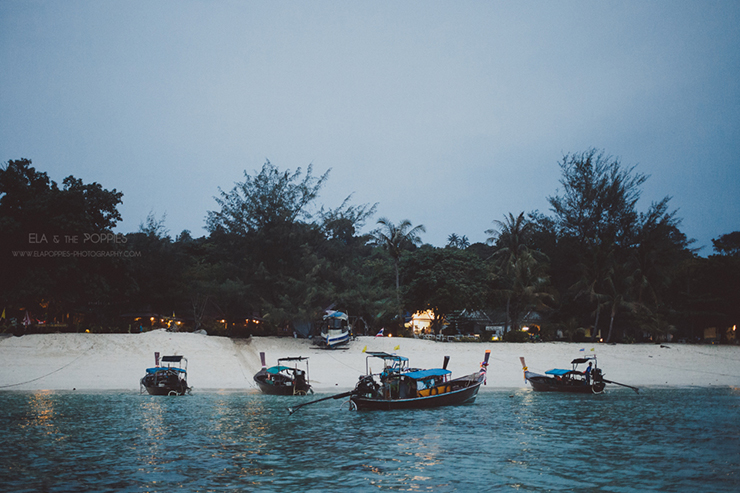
(118,361)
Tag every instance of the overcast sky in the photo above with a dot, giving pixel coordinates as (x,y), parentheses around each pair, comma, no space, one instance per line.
(449,114)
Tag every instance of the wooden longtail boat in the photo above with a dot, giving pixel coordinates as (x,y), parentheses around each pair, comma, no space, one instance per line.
(589,381)
(399,387)
(283,380)
(166,380)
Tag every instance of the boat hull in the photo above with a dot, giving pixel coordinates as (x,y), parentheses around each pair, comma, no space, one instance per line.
(279,388)
(166,390)
(330,341)
(463,395)
(542,383)
(165,386)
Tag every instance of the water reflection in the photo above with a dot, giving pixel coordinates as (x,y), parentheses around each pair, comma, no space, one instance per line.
(41,413)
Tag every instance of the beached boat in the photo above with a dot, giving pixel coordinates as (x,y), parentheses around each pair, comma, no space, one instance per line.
(401,387)
(283,380)
(335,330)
(166,380)
(589,381)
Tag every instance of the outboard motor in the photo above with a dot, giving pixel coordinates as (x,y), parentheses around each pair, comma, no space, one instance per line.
(367,385)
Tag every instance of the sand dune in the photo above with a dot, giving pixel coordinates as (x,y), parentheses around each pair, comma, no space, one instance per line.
(118,361)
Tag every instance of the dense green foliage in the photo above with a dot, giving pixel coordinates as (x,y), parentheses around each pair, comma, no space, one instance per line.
(273,261)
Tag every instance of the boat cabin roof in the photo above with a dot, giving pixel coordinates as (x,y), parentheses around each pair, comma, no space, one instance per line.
(421,374)
(559,372)
(277,369)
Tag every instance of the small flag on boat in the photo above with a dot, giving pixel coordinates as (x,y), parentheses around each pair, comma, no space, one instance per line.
(592,350)
(3,315)
(380,334)
(582,349)
(364,349)
(397,348)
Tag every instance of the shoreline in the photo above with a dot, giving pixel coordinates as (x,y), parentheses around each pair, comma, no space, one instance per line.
(83,361)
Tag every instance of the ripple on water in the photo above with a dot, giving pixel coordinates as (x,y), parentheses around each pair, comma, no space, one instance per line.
(661,439)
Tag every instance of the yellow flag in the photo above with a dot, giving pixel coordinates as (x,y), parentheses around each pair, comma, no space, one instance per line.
(592,349)
(364,349)
(397,348)
(3,315)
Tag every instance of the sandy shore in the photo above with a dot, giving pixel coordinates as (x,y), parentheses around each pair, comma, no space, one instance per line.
(118,361)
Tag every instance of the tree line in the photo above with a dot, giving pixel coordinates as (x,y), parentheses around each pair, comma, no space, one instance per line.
(273,259)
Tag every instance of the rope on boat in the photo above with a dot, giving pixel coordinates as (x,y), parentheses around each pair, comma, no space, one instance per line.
(351,405)
(50,373)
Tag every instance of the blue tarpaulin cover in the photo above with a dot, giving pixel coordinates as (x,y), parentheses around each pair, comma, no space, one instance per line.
(339,315)
(420,374)
(162,368)
(557,372)
(277,369)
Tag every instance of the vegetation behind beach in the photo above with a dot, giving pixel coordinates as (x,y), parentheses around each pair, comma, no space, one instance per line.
(272,258)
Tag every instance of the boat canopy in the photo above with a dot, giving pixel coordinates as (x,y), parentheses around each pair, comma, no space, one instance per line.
(277,369)
(164,368)
(380,354)
(578,361)
(557,371)
(293,358)
(421,374)
(172,359)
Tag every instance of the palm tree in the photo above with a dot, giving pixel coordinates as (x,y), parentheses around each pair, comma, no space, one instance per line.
(595,271)
(461,242)
(619,281)
(529,287)
(513,258)
(510,237)
(394,238)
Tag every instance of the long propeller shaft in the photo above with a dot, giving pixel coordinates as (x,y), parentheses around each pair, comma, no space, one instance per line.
(291,410)
(623,385)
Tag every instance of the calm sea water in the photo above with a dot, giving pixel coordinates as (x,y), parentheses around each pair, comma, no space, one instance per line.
(509,440)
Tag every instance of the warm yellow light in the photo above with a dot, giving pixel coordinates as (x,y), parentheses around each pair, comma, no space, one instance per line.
(525,329)
(151,319)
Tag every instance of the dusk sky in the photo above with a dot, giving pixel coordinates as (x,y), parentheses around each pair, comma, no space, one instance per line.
(449,114)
